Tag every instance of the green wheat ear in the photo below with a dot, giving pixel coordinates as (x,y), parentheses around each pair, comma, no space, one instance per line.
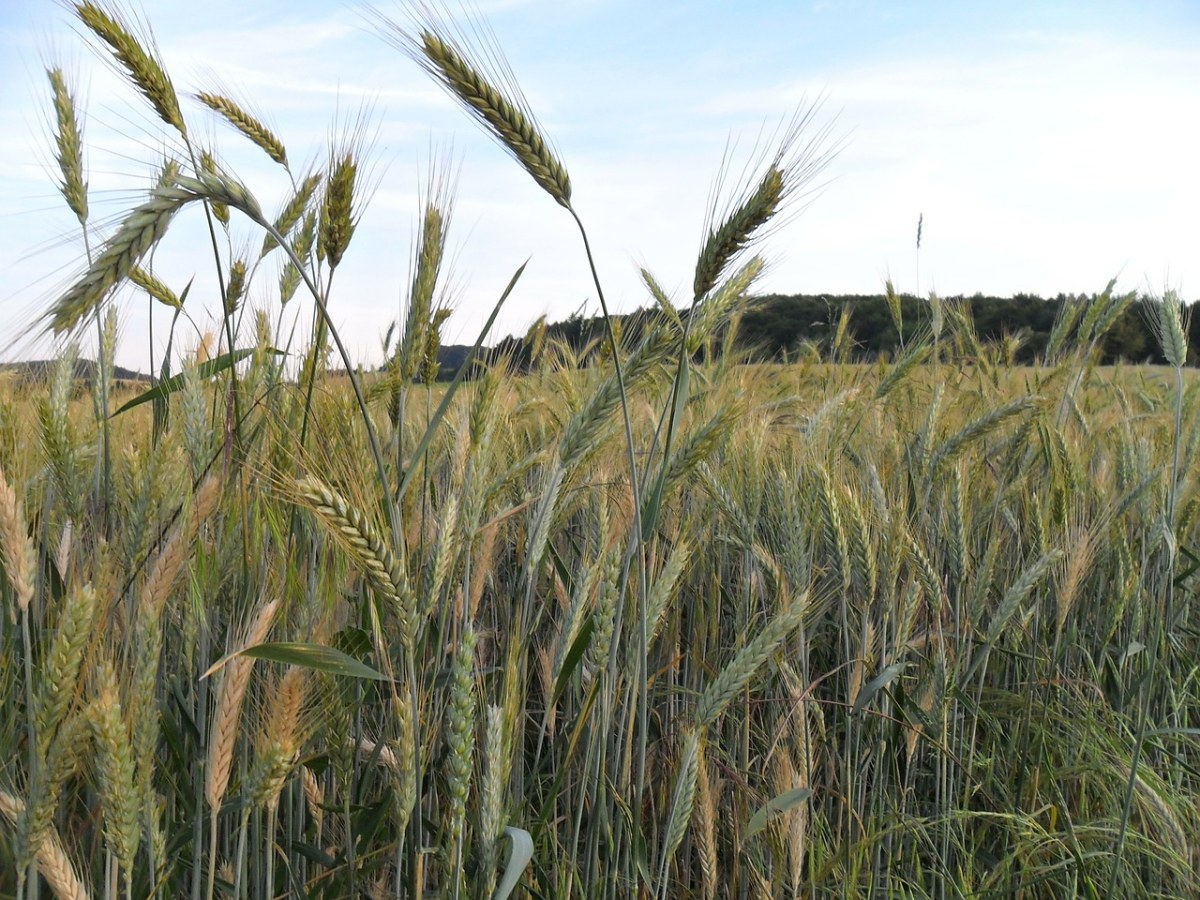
(68,139)
(800,156)
(146,73)
(504,114)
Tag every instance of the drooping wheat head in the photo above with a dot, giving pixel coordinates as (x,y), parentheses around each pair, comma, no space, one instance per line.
(247,124)
(140,231)
(141,67)
(488,92)
(359,536)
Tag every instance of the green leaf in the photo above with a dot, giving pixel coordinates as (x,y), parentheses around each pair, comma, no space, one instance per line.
(776,806)
(571,660)
(518,859)
(878,683)
(206,369)
(310,656)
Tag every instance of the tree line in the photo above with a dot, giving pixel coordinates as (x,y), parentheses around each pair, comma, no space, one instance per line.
(866,327)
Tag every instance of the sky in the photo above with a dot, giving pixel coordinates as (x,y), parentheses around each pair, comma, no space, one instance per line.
(1047,147)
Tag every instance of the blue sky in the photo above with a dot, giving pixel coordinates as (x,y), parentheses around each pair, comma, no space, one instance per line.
(1050,146)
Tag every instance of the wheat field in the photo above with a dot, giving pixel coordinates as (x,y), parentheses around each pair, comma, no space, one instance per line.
(642,622)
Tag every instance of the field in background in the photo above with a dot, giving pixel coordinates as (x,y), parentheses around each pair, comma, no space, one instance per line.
(904,633)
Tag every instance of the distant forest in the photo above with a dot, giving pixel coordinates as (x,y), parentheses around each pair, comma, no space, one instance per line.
(779,327)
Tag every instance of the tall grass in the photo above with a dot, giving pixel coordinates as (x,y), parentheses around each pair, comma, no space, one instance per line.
(670,625)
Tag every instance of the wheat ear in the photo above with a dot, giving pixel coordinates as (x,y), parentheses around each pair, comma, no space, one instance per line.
(682,802)
(247,124)
(140,231)
(359,536)
(291,213)
(16,549)
(337,212)
(509,120)
(174,554)
(68,138)
(143,69)
(234,681)
(60,672)
(280,740)
(115,766)
(737,674)
(732,235)
(53,862)
(155,287)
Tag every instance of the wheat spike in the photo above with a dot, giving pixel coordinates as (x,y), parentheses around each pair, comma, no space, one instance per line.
(291,213)
(406,757)
(140,231)
(737,674)
(223,734)
(60,761)
(174,554)
(16,549)
(154,287)
(460,736)
(706,832)
(378,562)
(68,139)
(504,116)
(491,802)
(731,236)
(60,671)
(143,70)
(115,765)
(509,120)
(281,739)
(247,124)
(53,862)
(682,802)
(337,212)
